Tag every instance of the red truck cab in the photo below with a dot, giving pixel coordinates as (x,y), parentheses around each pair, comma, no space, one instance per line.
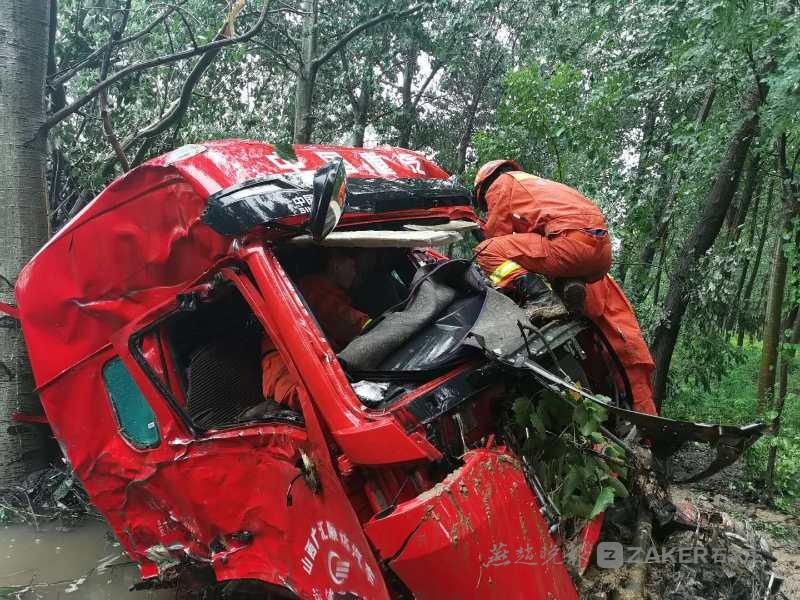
(143,318)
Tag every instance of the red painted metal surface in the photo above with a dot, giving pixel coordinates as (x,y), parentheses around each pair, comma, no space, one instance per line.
(478,534)
(21,417)
(9,310)
(221,498)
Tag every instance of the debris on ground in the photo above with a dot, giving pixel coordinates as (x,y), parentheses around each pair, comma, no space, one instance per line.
(46,495)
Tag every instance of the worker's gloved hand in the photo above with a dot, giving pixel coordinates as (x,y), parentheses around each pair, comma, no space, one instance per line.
(573,293)
(538,299)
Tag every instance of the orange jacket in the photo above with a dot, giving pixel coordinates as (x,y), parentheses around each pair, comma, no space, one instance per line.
(277,383)
(333,309)
(519,202)
(606,305)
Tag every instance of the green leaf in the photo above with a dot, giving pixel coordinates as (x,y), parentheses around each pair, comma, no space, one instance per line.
(522,411)
(603,501)
(620,491)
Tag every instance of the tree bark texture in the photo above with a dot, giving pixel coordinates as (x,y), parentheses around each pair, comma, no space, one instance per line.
(361,105)
(700,240)
(304,91)
(772,329)
(774,314)
(735,306)
(23,220)
(747,294)
(408,111)
(469,126)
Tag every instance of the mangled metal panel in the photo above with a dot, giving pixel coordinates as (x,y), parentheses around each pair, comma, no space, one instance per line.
(477,534)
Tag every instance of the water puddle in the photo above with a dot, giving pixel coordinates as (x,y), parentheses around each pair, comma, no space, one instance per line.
(83,562)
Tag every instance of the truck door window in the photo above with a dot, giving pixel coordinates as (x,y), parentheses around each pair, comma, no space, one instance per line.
(136,419)
(216,348)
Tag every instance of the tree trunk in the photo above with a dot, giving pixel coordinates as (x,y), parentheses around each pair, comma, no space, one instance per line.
(772,330)
(640,272)
(735,306)
(23,225)
(361,106)
(662,208)
(738,212)
(407,116)
(469,125)
(306,79)
(648,127)
(772,320)
(700,240)
(359,131)
(751,281)
(662,259)
(735,223)
(787,362)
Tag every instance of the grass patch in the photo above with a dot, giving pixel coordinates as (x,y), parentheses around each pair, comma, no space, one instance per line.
(731,399)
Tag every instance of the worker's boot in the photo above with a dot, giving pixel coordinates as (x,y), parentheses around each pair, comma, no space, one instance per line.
(573,293)
(538,299)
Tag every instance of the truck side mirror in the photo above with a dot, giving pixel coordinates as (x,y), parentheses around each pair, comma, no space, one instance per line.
(329,195)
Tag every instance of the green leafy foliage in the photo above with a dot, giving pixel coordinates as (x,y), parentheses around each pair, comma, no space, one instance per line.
(733,400)
(566,448)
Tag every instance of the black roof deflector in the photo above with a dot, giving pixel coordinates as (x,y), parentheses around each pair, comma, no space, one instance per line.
(247,205)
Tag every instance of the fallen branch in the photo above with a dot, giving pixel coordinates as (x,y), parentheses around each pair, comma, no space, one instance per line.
(65,112)
(178,109)
(105,116)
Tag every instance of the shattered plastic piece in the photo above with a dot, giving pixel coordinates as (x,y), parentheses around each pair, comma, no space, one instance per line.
(162,555)
(370,392)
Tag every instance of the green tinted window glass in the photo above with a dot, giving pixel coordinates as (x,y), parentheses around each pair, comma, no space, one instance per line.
(136,419)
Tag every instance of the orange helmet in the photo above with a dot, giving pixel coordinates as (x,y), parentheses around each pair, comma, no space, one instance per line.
(488,173)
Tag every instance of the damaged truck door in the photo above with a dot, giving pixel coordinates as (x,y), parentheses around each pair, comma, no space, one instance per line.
(224,489)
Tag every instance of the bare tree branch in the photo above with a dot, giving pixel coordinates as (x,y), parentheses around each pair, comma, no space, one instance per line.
(279,57)
(65,112)
(425,84)
(105,117)
(65,75)
(178,109)
(342,42)
(187,26)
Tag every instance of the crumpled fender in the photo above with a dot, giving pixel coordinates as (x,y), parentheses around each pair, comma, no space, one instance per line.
(477,534)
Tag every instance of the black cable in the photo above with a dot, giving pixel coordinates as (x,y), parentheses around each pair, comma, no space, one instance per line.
(547,346)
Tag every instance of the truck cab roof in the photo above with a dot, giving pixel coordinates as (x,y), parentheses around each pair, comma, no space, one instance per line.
(160,226)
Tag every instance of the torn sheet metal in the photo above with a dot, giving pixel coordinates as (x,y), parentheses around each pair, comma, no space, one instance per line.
(477,534)
(667,435)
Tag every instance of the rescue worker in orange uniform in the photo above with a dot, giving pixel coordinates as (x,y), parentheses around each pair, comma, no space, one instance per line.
(327,295)
(540,226)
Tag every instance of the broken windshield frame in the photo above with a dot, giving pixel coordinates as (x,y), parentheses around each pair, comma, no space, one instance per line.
(185,302)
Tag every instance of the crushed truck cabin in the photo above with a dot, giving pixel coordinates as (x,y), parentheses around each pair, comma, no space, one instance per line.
(236,419)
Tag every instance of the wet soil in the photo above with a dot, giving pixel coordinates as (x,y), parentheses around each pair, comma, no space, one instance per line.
(731,492)
(54,562)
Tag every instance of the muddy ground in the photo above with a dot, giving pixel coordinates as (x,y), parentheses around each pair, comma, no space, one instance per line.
(731,492)
(81,561)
